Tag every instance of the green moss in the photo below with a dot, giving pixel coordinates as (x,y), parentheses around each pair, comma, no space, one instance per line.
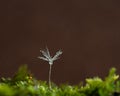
(23,84)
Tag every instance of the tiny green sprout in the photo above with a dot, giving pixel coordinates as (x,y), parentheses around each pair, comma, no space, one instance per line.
(50,59)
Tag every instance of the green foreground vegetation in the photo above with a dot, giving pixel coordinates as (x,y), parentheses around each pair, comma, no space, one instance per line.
(24,84)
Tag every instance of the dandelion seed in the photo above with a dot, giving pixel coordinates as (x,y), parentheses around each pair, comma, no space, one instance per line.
(50,59)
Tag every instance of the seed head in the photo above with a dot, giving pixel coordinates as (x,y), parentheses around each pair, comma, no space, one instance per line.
(48,57)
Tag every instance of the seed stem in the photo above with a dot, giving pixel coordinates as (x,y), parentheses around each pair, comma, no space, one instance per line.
(50,76)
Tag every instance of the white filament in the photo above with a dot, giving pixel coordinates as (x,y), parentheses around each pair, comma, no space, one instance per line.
(48,57)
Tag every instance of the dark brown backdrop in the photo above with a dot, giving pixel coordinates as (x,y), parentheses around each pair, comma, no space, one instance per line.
(88,32)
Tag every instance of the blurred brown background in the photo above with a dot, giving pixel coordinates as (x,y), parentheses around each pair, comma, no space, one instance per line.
(87,31)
